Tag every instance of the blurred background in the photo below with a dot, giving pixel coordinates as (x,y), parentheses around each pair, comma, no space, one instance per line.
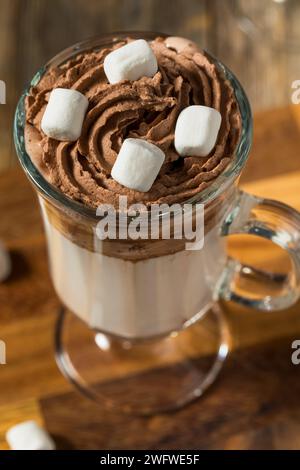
(257,39)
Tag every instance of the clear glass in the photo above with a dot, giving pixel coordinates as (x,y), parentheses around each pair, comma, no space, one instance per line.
(155,319)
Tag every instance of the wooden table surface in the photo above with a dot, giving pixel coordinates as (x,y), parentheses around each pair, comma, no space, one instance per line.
(254,403)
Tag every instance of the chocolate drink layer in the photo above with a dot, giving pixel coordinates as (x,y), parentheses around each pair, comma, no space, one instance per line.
(146,108)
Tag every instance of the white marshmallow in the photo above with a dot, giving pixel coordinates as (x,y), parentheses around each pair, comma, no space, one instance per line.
(197,130)
(180,44)
(64,114)
(130,62)
(5,263)
(137,164)
(29,436)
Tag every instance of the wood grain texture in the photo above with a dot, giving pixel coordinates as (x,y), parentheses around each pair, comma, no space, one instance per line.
(254,404)
(32,31)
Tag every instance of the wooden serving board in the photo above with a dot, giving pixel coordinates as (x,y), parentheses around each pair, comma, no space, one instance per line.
(254,404)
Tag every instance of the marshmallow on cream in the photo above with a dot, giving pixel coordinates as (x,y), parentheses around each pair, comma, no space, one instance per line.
(64,114)
(180,44)
(196,131)
(130,62)
(138,164)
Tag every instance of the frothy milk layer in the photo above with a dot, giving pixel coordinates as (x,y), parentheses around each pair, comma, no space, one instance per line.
(134,299)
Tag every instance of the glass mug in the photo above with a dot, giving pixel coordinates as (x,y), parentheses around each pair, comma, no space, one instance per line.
(141,329)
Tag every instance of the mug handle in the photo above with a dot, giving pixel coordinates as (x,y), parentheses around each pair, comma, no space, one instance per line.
(273,221)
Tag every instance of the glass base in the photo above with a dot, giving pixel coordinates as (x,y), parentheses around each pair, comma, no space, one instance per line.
(143,376)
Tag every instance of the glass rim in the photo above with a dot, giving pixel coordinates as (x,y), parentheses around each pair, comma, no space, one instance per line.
(216,188)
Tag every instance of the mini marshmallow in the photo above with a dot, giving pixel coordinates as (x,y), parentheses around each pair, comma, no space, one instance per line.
(29,436)
(180,44)
(64,114)
(130,62)
(5,263)
(137,164)
(197,130)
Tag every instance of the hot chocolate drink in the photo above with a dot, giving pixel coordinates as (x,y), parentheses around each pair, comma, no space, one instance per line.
(134,289)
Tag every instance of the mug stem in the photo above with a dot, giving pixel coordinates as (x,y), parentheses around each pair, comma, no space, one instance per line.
(274,221)
(156,375)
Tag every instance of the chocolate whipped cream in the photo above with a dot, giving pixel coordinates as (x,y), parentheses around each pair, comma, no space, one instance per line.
(146,108)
